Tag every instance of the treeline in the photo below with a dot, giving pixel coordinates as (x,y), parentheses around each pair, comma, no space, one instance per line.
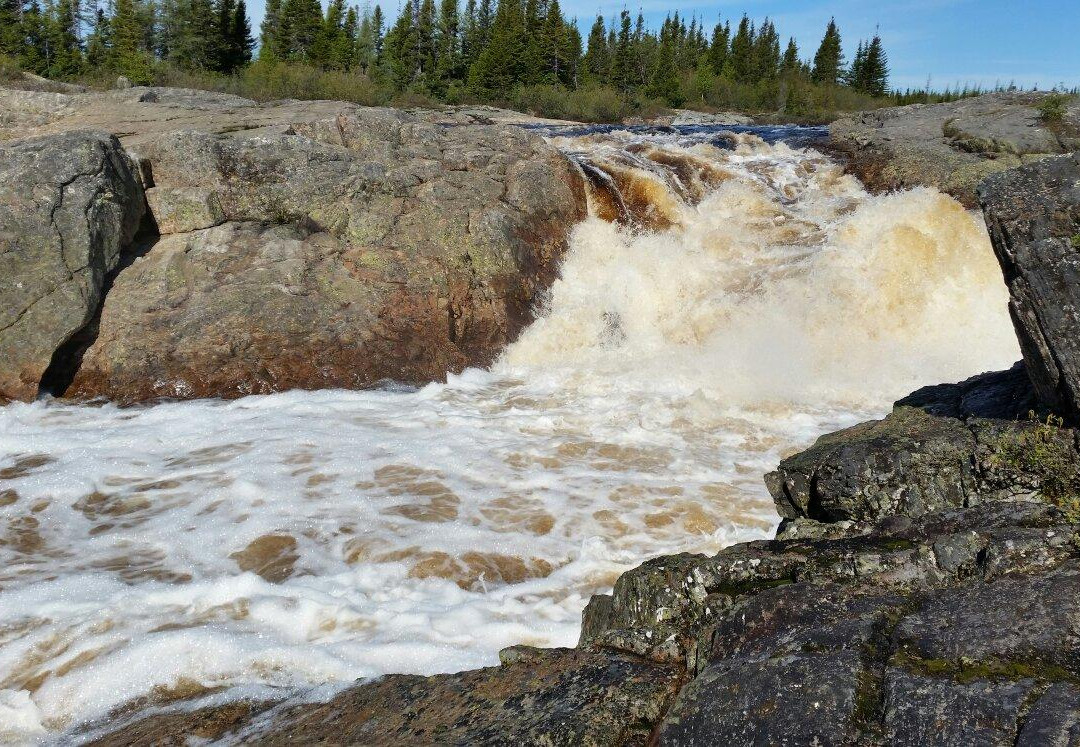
(519,52)
(65,39)
(485,51)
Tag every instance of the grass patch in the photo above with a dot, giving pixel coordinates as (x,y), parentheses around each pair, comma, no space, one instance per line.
(1046,452)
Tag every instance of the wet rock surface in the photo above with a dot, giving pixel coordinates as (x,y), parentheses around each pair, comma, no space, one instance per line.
(1033,214)
(951,146)
(303,244)
(69,205)
(555,697)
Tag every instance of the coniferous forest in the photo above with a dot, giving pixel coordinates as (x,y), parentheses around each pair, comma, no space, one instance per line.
(521,53)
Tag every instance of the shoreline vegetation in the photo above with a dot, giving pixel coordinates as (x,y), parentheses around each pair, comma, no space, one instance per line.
(515,54)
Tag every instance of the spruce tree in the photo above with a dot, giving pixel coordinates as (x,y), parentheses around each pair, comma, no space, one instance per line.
(719,48)
(829,58)
(448,42)
(876,73)
(500,64)
(99,41)
(426,22)
(64,54)
(742,51)
(622,63)
(766,52)
(301,25)
(665,80)
(126,55)
(596,63)
(365,45)
(241,43)
(270,32)
(223,35)
(790,64)
(401,52)
(343,54)
(34,54)
(12,38)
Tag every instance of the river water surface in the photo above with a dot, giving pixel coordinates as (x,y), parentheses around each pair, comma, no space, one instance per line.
(751,298)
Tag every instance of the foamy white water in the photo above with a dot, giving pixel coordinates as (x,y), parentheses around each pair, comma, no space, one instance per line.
(422,531)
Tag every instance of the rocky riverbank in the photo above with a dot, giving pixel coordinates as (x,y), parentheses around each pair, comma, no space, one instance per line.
(173,243)
(923,587)
(951,146)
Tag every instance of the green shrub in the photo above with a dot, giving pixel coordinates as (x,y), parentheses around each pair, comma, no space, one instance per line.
(9,68)
(1053,107)
(1045,452)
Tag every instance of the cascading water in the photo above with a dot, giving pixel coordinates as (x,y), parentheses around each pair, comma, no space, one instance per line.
(728,301)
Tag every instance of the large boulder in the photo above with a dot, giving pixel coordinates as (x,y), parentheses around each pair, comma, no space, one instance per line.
(69,205)
(948,445)
(951,146)
(365,246)
(1033,214)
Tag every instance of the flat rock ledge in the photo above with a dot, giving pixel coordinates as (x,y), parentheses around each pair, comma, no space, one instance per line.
(952,146)
(195,244)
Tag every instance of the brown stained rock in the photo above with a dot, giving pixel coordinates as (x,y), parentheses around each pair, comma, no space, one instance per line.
(365,246)
(552,697)
(271,556)
(69,205)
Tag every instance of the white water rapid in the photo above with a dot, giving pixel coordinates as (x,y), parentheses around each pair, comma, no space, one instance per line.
(753,298)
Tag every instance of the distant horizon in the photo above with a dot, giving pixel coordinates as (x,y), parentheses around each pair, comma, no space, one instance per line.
(950,42)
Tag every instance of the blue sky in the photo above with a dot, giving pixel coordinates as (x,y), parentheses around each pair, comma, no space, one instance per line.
(1029,42)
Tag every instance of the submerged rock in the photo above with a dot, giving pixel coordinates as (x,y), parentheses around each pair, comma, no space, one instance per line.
(1033,214)
(951,146)
(69,204)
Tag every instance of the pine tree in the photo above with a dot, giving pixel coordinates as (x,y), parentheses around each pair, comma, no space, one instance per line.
(596,63)
(270,32)
(99,41)
(622,63)
(742,52)
(448,42)
(766,52)
(720,47)
(829,59)
(790,64)
(500,64)
(665,80)
(126,55)
(876,68)
(241,43)
(11,28)
(222,35)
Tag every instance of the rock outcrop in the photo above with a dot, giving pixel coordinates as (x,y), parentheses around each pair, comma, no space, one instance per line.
(1033,214)
(951,146)
(305,245)
(69,205)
